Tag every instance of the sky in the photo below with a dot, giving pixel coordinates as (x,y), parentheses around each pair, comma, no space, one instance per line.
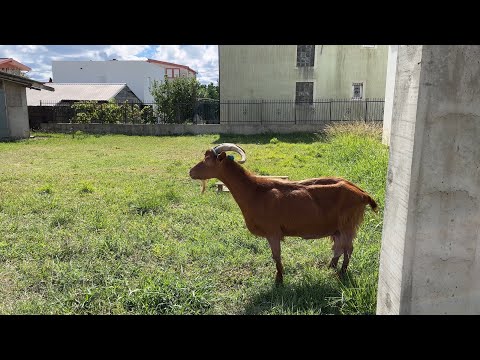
(201,58)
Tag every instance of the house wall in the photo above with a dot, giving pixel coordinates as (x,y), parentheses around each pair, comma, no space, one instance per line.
(4,129)
(183,72)
(269,72)
(138,75)
(17,111)
(126,95)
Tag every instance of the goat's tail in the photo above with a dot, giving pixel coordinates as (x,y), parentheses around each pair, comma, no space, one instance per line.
(372,203)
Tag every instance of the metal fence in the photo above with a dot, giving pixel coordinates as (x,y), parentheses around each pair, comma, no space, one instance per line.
(211,112)
(291,112)
(200,112)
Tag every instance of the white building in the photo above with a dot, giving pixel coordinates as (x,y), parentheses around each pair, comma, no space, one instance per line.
(138,75)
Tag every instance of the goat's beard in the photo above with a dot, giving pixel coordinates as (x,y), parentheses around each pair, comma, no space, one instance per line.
(204,182)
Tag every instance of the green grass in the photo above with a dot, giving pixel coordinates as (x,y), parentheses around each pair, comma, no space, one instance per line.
(114,225)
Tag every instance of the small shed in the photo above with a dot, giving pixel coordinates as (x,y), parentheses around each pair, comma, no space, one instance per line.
(46,107)
(14,122)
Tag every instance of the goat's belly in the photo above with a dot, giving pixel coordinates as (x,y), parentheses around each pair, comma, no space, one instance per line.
(267,227)
(309,232)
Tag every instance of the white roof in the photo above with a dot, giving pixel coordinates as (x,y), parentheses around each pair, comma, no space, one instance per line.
(74,91)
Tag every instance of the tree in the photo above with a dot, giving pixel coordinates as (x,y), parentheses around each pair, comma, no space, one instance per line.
(176,98)
(209,91)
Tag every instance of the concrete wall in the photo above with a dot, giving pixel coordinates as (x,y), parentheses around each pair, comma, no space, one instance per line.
(4,126)
(138,75)
(269,72)
(17,111)
(429,262)
(178,129)
(389,93)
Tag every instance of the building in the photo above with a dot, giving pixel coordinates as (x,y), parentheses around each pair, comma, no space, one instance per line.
(11,66)
(40,104)
(138,75)
(173,70)
(14,122)
(300,74)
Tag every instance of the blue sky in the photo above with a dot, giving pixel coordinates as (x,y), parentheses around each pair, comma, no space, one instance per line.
(201,58)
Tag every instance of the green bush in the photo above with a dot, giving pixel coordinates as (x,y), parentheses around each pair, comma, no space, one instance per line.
(111,113)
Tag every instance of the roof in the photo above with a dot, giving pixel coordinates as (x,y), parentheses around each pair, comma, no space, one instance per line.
(74,92)
(13,64)
(22,80)
(170,64)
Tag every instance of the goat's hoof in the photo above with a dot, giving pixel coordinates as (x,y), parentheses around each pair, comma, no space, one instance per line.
(342,273)
(333,268)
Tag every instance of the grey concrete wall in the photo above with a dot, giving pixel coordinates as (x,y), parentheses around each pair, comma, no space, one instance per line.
(429,263)
(178,129)
(389,93)
(17,110)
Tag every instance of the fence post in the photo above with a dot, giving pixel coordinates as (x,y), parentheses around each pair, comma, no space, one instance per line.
(330,109)
(295,112)
(131,112)
(366,109)
(261,111)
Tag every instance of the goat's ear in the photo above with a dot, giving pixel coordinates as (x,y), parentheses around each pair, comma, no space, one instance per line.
(221,156)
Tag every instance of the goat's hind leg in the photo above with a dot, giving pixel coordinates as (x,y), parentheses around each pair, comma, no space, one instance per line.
(347,252)
(337,250)
(342,244)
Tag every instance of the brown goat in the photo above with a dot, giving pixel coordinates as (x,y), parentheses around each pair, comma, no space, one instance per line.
(273,209)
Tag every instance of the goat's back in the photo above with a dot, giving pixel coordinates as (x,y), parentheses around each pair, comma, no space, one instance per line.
(309,208)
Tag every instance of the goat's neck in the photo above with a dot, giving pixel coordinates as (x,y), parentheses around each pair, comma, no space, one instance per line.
(240,183)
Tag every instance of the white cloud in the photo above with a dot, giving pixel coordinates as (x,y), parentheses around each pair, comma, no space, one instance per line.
(126,52)
(201,58)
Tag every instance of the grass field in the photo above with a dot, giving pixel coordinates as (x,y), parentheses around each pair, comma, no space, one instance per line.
(114,225)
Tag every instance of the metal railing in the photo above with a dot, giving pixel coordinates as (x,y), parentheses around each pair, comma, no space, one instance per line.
(291,112)
(211,112)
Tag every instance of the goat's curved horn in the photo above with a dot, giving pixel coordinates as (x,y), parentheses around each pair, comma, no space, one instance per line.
(231,147)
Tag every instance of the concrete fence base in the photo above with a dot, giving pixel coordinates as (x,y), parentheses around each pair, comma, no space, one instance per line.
(179,129)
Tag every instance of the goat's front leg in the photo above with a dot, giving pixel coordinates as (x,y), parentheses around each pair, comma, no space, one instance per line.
(275,246)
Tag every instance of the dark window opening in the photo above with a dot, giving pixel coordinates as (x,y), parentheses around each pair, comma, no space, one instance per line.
(304,92)
(357,90)
(305,55)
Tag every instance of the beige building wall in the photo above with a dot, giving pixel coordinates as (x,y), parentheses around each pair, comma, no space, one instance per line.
(270,72)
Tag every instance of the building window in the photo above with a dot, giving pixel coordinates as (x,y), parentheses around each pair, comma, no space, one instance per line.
(305,55)
(357,89)
(304,93)
(172,72)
